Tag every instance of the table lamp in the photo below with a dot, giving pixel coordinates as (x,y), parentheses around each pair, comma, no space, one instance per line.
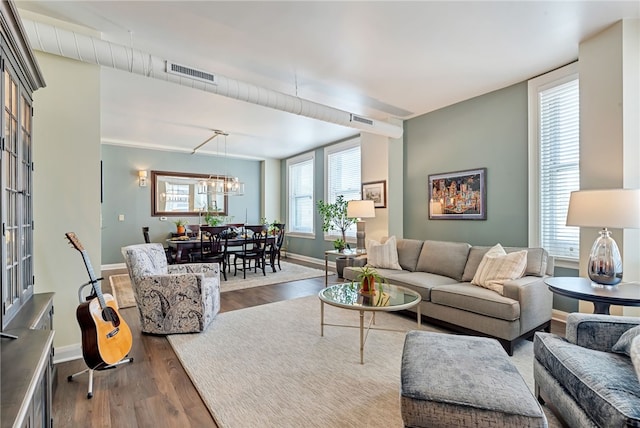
(615,208)
(360,210)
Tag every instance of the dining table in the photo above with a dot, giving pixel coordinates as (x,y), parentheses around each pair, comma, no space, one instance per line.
(184,246)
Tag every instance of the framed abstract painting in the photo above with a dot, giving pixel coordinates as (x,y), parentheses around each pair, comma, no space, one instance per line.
(459,195)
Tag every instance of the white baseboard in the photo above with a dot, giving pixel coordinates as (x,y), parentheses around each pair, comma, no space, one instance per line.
(113,266)
(67,353)
(308,259)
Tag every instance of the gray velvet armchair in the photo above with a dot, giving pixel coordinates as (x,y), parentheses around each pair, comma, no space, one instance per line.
(588,383)
(181,298)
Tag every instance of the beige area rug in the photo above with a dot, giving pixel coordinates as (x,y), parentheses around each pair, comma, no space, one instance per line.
(123,293)
(268,366)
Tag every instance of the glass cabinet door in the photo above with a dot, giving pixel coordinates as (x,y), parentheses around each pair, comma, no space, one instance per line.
(16,208)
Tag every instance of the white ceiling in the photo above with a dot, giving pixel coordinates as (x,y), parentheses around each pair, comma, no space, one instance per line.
(376,59)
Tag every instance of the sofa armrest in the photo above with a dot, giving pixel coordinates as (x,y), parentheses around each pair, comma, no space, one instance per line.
(536,301)
(598,332)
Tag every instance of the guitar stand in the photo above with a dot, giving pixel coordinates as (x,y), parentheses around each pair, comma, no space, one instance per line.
(99,366)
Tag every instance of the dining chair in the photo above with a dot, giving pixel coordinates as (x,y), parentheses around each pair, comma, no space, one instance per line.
(253,248)
(213,248)
(145,233)
(276,246)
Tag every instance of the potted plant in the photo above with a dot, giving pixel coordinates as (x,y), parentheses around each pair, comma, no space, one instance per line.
(339,244)
(181,226)
(272,228)
(367,277)
(334,217)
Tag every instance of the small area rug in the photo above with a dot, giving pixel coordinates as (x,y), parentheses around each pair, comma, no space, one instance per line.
(123,293)
(268,366)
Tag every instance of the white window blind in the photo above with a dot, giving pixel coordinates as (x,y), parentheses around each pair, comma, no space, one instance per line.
(300,188)
(343,175)
(559,169)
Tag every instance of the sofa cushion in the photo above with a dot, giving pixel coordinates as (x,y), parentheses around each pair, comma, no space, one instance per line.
(604,383)
(623,345)
(498,267)
(383,255)
(421,282)
(478,300)
(443,258)
(408,253)
(537,260)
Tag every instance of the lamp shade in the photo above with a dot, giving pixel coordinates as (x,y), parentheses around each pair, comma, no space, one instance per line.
(360,209)
(610,208)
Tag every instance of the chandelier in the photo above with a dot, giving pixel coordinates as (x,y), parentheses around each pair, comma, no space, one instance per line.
(220,184)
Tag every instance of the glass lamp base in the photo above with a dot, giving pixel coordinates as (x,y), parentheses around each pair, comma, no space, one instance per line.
(605,263)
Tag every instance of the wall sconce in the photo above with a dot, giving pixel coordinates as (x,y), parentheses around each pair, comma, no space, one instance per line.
(142,178)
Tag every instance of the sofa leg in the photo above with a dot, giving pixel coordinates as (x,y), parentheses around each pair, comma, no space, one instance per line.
(507,345)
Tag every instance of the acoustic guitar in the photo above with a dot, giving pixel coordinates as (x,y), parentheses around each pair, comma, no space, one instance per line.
(106,337)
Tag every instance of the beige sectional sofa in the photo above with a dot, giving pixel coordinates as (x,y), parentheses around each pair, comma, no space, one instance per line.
(442,272)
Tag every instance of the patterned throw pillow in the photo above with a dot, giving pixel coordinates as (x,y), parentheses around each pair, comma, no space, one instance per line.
(623,345)
(635,355)
(498,267)
(383,256)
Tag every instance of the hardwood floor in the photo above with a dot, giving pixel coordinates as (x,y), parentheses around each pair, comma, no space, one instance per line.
(155,391)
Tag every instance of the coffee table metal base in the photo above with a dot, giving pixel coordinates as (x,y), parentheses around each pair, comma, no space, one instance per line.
(364,333)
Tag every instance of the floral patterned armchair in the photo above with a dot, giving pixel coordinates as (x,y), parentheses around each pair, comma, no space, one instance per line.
(181,298)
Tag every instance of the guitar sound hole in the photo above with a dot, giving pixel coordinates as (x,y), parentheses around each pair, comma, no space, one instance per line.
(110,315)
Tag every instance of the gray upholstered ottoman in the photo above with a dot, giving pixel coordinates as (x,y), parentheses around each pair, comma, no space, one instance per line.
(463,381)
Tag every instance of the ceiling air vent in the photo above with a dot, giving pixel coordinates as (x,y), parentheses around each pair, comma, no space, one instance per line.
(360,119)
(191,73)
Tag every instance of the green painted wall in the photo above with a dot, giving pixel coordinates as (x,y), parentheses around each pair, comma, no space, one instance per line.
(123,195)
(489,131)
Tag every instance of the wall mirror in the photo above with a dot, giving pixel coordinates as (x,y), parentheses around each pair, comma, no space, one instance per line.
(186,194)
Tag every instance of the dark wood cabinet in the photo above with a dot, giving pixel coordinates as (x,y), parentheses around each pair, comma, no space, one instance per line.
(27,362)
(27,371)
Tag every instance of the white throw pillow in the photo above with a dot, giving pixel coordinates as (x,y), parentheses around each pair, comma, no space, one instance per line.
(498,267)
(383,256)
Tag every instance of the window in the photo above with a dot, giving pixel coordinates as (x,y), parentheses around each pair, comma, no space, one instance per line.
(342,172)
(554,168)
(300,211)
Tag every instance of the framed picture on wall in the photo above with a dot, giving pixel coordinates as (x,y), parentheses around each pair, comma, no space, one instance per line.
(459,195)
(375,191)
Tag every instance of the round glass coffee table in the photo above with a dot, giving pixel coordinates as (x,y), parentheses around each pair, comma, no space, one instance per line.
(386,298)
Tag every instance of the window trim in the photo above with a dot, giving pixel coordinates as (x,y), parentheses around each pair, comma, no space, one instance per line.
(536,85)
(309,156)
(329,150)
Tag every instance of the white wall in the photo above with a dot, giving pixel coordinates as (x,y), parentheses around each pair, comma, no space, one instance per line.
(382,159)
(609,99)
(66,155)
(270,194)
(375,167)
